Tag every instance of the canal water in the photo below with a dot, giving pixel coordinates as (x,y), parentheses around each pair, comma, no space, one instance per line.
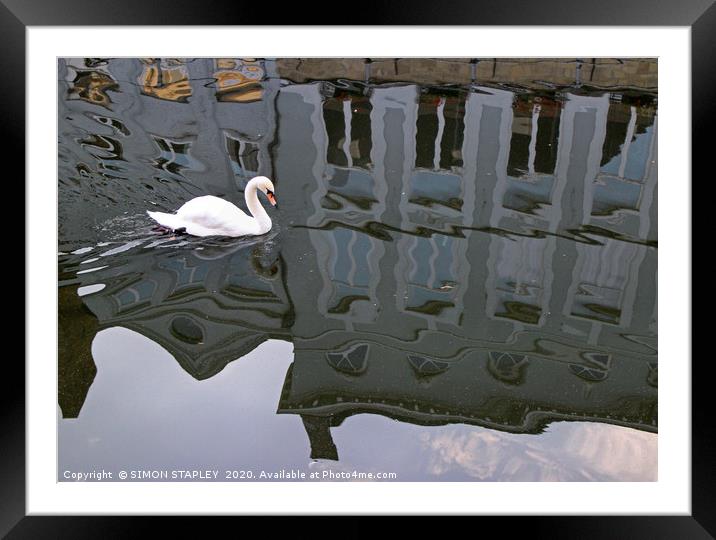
(460,283)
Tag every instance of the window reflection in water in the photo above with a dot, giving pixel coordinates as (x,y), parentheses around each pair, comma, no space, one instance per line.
(239,80)
(165,78)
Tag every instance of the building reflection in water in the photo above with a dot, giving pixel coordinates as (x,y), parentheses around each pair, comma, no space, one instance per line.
(470,255)
(89,80)
(165,78)
(238,80)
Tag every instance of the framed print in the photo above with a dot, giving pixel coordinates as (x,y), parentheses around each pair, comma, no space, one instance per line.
(359,270)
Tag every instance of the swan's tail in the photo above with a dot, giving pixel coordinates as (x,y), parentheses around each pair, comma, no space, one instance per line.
(168,220)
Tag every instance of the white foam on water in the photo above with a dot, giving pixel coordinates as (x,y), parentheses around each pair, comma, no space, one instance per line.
(89,289)
(92,269)
(124,247)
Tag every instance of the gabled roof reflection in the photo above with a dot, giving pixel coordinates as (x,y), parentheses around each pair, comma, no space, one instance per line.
(206,303)
(499,389)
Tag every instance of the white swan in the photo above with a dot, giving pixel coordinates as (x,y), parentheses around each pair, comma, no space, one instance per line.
(213,216)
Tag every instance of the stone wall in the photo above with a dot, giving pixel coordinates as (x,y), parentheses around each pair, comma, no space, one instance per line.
(532,72)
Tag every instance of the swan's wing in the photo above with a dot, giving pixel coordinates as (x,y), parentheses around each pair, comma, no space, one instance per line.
(213,213)
(167,220)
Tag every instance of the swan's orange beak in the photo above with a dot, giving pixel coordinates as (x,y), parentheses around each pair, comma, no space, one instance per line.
(272,198)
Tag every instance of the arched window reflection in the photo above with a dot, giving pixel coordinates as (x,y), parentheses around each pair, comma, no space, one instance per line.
(135,295)
(508,367)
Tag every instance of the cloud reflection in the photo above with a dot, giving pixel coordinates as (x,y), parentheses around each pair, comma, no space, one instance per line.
(567,451)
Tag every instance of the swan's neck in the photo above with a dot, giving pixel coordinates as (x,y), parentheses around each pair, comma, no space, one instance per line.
(256,208)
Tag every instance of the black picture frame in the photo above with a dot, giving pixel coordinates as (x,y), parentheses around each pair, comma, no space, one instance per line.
(700,15)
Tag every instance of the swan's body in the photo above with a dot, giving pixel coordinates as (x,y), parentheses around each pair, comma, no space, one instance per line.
(213,216)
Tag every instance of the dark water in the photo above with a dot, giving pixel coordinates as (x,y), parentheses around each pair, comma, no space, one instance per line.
(460,283)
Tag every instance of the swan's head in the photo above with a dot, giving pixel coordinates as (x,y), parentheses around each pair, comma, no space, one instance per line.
(266,186)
